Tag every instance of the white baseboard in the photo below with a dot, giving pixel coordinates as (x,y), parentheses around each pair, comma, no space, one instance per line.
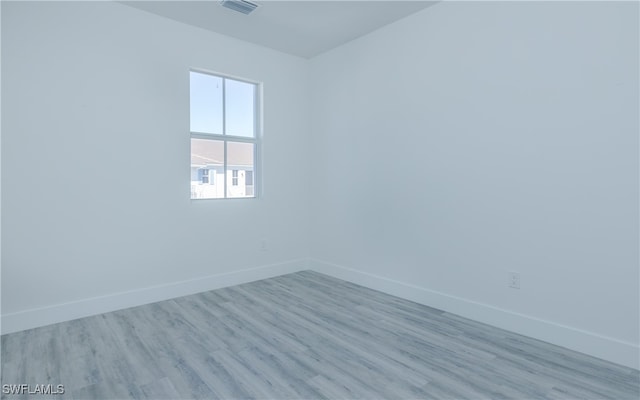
(607,348)
(37,317)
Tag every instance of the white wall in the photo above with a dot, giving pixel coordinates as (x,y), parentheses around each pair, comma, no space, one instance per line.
(464,141)
(471,139)
(94,93)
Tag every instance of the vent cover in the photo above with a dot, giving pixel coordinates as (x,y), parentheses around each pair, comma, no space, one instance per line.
(243,6)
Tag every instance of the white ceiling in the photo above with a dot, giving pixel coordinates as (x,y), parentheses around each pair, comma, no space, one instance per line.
(304,28)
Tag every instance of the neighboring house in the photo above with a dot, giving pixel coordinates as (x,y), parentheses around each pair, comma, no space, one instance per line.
(207,170)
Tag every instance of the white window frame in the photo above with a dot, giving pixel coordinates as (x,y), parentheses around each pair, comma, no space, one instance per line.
(256,140)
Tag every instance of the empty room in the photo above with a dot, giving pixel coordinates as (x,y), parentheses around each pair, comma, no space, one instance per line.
(320,200)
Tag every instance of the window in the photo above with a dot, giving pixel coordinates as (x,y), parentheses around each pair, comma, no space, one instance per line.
(234,177)
(248,181)
(203,175)
(224,136)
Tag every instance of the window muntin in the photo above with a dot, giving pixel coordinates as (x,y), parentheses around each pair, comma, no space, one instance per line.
(224,139)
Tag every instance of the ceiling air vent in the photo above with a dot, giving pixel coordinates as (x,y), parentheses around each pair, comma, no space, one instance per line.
(243,6)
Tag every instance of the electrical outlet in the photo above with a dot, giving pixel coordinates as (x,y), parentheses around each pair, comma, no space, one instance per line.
(263,245)
(513,279)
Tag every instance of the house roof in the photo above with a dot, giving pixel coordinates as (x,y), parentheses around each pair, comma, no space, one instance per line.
(211,153)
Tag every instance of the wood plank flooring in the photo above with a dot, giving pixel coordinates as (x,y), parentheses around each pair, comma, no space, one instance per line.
(300,336)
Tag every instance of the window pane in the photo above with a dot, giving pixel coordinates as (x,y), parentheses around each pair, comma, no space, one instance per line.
(239,108)
(207,169)
(240,163)
(206,103)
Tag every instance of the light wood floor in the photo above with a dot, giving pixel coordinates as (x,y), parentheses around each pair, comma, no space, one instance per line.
(300,336)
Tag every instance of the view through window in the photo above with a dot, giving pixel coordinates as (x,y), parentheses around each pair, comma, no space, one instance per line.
(224,136)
